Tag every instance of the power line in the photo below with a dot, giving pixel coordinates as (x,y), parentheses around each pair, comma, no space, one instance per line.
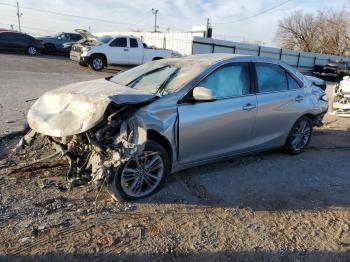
(74,16)
(33,28)
(255,15)
(86,18)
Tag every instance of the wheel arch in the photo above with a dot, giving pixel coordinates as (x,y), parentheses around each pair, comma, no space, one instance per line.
(309,115)
(157,58)
(99,54)
(162,140)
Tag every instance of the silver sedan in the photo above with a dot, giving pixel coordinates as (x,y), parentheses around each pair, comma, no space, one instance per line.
(171,114)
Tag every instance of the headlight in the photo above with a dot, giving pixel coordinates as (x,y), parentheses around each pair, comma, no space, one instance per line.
(324,98)
(86,48)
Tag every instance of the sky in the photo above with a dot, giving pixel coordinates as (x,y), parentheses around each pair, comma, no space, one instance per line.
(237,20)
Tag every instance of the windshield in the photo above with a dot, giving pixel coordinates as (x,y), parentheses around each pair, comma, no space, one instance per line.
(105,39)
(164,76)
(152,77)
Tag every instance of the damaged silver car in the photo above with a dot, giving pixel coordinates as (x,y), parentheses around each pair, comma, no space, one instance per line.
(132,129)
(341,94)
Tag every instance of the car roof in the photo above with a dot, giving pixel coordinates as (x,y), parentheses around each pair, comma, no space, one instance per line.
(213,58)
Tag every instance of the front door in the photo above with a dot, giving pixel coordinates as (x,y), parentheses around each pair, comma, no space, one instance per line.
(221,127)
(118,51)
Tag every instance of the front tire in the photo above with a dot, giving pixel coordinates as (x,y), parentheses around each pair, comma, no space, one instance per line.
(32,50)
(142,175)
(97,63)
(300,136)
(50,49)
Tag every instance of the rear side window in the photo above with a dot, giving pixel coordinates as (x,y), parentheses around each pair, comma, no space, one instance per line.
(14,36)
(133,43)
(292,83)
(4,36)
(229,81)
(119,42)
(271,78)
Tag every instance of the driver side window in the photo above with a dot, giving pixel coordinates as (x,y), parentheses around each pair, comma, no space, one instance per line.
(229,81)
(119,42)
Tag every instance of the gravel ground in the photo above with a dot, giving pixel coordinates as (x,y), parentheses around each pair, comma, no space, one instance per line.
(266,207)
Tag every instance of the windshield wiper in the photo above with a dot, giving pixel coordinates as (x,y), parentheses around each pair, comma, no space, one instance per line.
(134,82)
(167,81)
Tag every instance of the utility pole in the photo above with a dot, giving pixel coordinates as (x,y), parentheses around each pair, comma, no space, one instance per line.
(19,14)
(209,31)
(155,12)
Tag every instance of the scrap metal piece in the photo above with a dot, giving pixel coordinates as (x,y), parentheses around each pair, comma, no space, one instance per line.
(25,141)
(341,94)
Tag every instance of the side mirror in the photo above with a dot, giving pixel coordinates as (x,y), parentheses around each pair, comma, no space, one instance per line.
(203,94)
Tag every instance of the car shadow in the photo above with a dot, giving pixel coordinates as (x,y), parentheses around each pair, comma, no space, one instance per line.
(273,181)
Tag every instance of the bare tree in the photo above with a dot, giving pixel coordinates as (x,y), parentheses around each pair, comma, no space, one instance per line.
(322,32)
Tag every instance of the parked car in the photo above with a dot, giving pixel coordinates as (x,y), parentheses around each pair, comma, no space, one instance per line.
(19,42)
(136,127)
(335,70)
(57,43)
(98,52)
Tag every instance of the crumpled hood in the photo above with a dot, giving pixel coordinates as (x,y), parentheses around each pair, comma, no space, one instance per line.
(78,107)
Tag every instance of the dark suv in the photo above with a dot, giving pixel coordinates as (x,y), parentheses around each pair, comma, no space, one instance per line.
(19,42)
(62,42)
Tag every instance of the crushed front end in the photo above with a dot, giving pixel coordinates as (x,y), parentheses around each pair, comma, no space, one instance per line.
(95,155)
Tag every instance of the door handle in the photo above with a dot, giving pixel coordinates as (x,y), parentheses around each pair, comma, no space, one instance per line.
(125,49)
(249,107)
(299,98)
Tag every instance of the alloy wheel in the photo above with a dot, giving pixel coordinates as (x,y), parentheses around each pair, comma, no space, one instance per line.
(301,135)
(97,63)
(142,174)
(32,50)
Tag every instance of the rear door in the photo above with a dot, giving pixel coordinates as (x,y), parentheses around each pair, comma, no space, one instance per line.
(221,127)
(135,52)
(281,102)
(118,51)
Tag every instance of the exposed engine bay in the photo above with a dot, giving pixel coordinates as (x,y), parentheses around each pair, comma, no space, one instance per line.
(95,155)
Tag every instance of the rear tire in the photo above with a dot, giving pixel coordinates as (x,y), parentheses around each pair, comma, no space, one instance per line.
(97,62)
(156,162)
(299,136)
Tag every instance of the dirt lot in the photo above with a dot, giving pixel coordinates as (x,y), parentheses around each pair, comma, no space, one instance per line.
(266,207)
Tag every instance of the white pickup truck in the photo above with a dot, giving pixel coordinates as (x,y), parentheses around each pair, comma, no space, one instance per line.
(98,52)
